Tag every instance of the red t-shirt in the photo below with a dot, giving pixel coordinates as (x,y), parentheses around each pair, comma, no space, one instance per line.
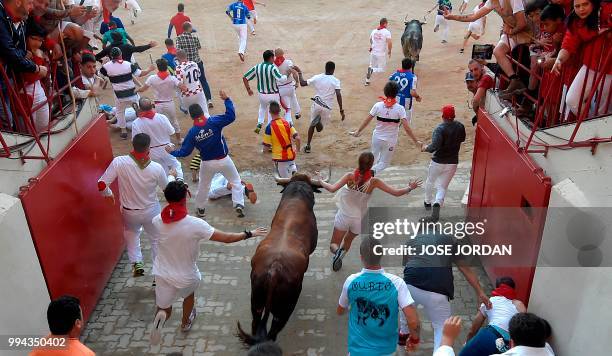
(178,20)
(249,4)
(486,82)
(579,39)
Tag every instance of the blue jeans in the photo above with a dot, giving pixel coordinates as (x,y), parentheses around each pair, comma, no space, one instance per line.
(482,344)
(203,81)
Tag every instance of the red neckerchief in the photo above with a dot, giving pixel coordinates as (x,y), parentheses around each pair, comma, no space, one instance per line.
(381,27)
(12,16)
(141,159)
(118,60)
(402,70)
(279,60)
(149,114)
(504,290)
(163,75)
(172,50)
(174,211)
(360,180)
(389,102)
(200,121)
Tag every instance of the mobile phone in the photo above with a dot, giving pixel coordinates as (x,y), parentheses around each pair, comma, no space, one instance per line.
(89,8)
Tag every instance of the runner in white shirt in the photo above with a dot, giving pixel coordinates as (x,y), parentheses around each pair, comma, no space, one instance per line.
(287,87)
(138,177)
(390,115)
(476,29)
(158,127)
(326,87)
(175,268)
(164,87)
(380,47)
(188,73)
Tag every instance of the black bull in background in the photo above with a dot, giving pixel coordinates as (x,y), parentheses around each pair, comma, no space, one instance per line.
(412,39)
(281,259)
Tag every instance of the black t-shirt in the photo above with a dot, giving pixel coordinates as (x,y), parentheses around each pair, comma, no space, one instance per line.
(432,273)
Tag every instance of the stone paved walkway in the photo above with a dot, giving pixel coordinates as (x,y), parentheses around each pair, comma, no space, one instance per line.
(120,324)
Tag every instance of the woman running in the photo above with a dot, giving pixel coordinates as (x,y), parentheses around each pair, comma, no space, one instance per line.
(354,191)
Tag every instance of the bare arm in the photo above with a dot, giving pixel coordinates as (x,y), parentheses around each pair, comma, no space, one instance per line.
(339,184)
(339,98)
(483,11)
(470,276)
(142,88)
(340,310)
(520,307)
(245,81)
(363,125)
(414,324)
(478,98)
(479,319)
(521,23)
(410,133)
(396,192)
(297,141)
(389,45)
(230,237)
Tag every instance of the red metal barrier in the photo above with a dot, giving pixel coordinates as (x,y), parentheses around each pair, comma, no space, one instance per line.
(78,236)
(496,168)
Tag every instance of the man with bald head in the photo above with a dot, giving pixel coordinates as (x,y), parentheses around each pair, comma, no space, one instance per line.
(158,127)
(287,87)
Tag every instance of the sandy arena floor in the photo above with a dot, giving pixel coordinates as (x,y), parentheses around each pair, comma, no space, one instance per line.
(313,32)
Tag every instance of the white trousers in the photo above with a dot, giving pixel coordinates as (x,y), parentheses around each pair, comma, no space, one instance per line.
(436,306)
(378,62)
(167,108)
(383,152)
(443,27)
(121,106)
(241,30)
(438,176)
(264,106)
(285,169)
(252,20)
(218,187)
(167,161)
(228,170)
(199,99)
(133,7)
(573,94)
(289,101)
(133,223)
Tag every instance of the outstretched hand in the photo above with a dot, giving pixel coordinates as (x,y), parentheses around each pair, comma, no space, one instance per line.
(260,231)
(415,183)
(223,95)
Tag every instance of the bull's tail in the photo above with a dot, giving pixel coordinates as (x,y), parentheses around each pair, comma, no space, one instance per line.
(261,334)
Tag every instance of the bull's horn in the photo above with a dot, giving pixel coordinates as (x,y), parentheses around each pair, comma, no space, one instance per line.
(278,179)
(406,18)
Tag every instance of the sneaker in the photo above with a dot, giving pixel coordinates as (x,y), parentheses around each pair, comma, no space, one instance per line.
(427,206)
(210,104)
(444,41)
(250,192)
(240,210)
(183,110)
(253,33)
(436,28)
(337,259)
(402,338)
(435,214)
(241,57)
(201,213)
(461,50)
(158,324)
(366,83)
(123,135)
(153,284)
(297,116)
(138,269)
(185,328)
(257,129)
(307,149)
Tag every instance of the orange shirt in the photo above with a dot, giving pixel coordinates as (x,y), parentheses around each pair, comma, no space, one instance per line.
(74,347)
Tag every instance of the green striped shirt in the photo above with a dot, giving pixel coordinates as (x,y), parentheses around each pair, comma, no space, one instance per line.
(267,74)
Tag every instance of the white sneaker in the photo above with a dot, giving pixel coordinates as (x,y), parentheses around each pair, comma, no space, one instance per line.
(158,324)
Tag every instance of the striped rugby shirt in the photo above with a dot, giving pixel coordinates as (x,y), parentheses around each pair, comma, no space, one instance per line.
(120,74)
(267,76)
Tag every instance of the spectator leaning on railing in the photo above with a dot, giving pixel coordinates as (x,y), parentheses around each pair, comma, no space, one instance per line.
(515,32)
(13,13)
(588,33)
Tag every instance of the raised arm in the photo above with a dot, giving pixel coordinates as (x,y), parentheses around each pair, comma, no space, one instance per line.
(332,188)
(483,11)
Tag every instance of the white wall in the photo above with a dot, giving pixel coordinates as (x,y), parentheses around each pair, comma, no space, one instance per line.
(23,295)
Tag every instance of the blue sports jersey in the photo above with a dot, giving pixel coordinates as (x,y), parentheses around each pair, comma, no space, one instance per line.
(239,13)
(405,79)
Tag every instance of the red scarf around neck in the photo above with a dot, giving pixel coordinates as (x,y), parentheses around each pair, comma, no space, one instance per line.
(141,158)
(200,121)
(163,75)
(279,60)
(174,211)
(381,27)
(172,50)
(359,179)
(149,114)
(389,102)
(504,290)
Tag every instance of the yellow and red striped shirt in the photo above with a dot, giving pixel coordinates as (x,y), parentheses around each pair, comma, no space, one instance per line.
(278,135)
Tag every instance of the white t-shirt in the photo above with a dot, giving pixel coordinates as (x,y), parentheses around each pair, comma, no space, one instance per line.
(158,128)
(387,131)
(137,187)
(325,87)
(517,5)
(284,70)
(500,314)
(163,89)
(379,41)
(178,249)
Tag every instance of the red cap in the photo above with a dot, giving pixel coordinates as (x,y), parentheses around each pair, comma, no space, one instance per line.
(448,112)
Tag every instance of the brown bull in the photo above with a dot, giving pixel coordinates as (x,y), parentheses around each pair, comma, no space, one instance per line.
(281,259)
